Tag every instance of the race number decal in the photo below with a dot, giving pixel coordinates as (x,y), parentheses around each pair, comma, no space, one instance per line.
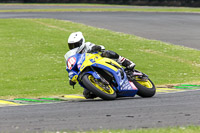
(71,62)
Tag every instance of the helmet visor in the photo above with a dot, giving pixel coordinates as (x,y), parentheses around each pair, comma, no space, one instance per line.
(75,45)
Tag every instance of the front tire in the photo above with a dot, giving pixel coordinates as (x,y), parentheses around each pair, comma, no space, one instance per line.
(97,88)
(145,88)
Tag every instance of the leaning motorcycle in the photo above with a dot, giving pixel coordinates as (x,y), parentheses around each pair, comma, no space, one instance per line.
(106,79)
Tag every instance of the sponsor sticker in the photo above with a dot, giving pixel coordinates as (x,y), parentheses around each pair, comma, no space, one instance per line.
(132,85)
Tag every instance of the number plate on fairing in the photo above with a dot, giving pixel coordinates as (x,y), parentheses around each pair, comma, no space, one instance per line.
(71,62)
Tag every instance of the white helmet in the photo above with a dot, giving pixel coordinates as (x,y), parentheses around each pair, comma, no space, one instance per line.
(75,40)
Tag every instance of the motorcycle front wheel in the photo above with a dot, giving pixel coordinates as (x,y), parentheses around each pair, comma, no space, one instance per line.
(145,88)
(106,92)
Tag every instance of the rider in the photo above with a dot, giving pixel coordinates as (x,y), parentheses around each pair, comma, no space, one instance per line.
(77,44)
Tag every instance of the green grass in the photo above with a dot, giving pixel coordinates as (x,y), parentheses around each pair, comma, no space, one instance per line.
(98,8)
(32,56)
(189,129)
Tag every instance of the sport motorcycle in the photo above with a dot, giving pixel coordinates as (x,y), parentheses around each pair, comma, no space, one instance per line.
(107,79)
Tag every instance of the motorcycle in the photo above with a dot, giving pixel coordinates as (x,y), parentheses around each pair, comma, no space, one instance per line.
(106,79)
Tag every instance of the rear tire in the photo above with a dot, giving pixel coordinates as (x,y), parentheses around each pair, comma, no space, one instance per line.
(145,88)
(89,82)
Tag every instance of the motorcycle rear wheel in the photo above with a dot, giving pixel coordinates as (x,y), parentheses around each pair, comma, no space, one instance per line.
(94,86)
(145,88)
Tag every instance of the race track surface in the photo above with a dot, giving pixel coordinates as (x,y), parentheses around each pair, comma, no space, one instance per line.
(176,28)
(163,110)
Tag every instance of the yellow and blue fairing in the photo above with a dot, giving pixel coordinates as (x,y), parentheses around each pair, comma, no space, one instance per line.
(79,63)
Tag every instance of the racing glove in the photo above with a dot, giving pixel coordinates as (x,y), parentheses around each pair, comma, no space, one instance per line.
(97,48)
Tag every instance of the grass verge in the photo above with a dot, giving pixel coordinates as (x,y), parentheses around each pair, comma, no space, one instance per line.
(33,65)
(189,129)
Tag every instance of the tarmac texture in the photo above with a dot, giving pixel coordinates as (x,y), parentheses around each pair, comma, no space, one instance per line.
(163,110)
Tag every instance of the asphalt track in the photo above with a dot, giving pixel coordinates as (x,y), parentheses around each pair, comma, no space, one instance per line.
(176,28)
(163,110)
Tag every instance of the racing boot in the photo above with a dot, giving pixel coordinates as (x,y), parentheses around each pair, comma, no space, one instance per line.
(126,63)
(88,94)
